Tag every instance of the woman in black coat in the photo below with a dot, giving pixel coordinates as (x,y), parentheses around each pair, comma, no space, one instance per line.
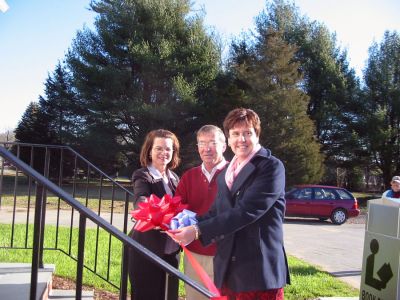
(246,219)
(159,154)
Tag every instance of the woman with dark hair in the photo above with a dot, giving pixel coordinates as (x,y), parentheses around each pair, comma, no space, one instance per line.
(246,219)
(158,156)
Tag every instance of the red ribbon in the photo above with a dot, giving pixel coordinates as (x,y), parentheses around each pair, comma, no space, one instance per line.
(207,281)
(157,213)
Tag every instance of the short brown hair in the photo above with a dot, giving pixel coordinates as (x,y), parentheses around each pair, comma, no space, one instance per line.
(242,115)
(148,145)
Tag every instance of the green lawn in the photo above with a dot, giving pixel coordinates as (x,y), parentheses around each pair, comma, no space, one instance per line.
(307,281)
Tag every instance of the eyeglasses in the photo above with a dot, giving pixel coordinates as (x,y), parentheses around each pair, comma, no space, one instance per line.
(237,134)
(161,149)
(205,145)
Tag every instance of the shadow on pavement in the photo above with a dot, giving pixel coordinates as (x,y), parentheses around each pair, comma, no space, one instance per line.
(306,221)
(346,273)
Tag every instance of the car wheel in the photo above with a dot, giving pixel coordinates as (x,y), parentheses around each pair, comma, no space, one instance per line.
(339,216)
(323,219)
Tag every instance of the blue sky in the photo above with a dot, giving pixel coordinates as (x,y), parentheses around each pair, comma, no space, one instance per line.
(35,35)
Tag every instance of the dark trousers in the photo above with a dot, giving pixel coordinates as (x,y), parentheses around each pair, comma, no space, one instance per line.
(148,280)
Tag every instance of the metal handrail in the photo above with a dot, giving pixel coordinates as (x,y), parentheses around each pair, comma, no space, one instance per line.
(76,154)
(75,163)
(86,213)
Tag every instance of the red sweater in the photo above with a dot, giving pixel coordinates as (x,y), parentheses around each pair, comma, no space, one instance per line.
(199,194)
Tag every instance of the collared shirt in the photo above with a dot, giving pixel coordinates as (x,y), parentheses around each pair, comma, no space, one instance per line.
(210,175)
(234,167)
(157,175)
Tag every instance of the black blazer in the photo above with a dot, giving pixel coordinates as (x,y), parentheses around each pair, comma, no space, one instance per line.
(247,225)
(143,186)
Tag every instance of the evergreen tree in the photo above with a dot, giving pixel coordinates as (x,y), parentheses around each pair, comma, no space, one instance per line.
(379,124)
(62,107)
(270,79)
(34,126)
(54,119)
(55,115)
(145,67)
(332,87)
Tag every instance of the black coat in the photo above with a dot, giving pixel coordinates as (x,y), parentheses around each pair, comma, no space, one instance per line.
(147,279)
(143,186)
(247,225)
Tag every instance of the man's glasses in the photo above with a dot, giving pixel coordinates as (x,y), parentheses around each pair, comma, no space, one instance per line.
(206,145)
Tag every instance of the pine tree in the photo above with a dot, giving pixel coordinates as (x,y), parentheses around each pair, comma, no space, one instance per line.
(379,122)
(270,80)
(332,87)
(144,67)
(62,107)
(34,128)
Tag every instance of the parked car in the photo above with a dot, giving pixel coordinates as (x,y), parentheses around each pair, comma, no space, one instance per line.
(323,202)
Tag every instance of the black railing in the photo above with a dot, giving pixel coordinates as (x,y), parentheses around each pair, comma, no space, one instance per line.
(73,173)
(66,192)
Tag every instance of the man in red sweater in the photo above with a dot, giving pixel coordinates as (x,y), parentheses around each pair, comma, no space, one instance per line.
(198,188)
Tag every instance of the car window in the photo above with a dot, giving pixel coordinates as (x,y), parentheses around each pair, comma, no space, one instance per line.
(304,193)
(319,194)
(329,194)
(344,194)
(324,194)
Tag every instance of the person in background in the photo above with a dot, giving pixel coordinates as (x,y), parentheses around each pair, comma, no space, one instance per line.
(198,189)
(246,219)
(158,156)
(394,191)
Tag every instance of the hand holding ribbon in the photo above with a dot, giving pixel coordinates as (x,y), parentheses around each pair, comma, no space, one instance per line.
(156,213)
(181,227)
(183,233)
(184,218)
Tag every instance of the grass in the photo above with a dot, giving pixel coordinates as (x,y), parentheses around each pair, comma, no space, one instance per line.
(308,282)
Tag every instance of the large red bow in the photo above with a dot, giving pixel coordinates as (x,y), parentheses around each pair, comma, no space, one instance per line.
(156,212)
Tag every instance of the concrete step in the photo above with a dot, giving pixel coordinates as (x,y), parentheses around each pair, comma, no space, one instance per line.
(15,281)
(69,295)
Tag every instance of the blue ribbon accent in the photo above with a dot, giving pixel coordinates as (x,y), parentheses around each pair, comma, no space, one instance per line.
(183,219)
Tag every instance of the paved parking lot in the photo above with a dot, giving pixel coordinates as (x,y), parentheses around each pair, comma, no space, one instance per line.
(335,249)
